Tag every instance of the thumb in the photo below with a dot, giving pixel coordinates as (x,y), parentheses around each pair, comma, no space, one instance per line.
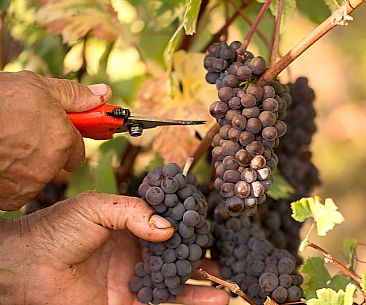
(76,227)
(75,97)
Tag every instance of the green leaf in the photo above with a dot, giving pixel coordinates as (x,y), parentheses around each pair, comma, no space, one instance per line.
(349,251)
(4,4)
(328,296)
(11,214)
(190,16)
(158,161)
(316,12)
(325,215)
(339,281)
(288,10)
(315,274)
(116,145)
(301,210)
(363,283)
(331,4)
(280,188)
(81,180)
(104,176)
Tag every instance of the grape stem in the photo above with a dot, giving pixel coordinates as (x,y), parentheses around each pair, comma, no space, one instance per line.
(233,287)
(254,26)
(250,23)
(228,22)
(276,35)
(330,259)
(339,17)
(205,144)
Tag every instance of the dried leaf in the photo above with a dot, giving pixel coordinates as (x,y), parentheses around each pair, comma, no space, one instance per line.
(190,102)
(73,19)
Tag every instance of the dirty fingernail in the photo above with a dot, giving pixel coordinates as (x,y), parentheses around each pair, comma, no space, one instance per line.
(159,222)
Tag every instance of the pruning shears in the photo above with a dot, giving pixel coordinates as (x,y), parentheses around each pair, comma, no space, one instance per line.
(103,122)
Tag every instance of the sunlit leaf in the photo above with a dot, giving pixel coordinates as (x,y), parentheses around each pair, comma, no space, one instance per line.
(105,179)
(328,296)
(288,10)
(317,15)
(325,215)
(4,4)
(190,16)
(10,215)
(315,275)
(73,19)
(363,283)
(349,251)
(81,180)
(157,161)
(280,188)
(190,102)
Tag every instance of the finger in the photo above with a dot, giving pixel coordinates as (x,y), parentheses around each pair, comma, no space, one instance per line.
(209,266)
(86,221)
(202,295)
(76,153)
(75,97)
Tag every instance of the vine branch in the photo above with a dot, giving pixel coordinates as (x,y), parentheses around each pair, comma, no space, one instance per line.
(337,18)
(254,26)
(330,259)
(250,23)
(2,37)
(233,287)
(276,36)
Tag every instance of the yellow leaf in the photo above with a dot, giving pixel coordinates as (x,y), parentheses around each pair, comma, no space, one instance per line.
(73,19)
(191,101)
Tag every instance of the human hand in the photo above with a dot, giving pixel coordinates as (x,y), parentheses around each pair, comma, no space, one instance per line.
(80,251)
(37,139)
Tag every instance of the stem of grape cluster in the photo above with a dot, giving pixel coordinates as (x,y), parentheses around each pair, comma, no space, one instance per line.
(233,287)
(276,36)
(339,17)
(254,27)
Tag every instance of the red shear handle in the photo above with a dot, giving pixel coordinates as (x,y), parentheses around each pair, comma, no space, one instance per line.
(96,123)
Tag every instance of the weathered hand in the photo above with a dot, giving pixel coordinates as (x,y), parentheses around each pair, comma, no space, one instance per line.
(37,139)
(81,251)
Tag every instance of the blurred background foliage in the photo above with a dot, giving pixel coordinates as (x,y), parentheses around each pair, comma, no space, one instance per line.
(139,48)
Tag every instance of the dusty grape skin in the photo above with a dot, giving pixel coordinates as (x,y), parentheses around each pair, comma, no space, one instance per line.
(167,265)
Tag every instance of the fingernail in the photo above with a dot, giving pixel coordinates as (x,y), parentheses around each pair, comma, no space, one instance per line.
(98,89)
(159,222)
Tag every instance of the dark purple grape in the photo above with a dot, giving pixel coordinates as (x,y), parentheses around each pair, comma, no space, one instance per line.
(227,190)
(255,148)
(254,125)
(255,90)
(225,94)
(232,176)
(269,133)
(243,73)
(243,157)
(239,122)
(249,175)
(211,77)
(155,195)
(169,185)
(234,134)
(270,104)
(218,109)
(248,100)
(230,81)
(235,103)
(257,65)
(267,118)
(251,112)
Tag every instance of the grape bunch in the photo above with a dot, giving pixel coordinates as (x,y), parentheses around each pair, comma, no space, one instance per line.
(247,258)
(294,153)
(167,266)
(279,227)
(250,118)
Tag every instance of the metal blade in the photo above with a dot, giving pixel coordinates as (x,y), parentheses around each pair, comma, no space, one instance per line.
(152,122)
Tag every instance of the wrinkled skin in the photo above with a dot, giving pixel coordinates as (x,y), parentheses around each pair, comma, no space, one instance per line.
(37,139)
(81,250)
